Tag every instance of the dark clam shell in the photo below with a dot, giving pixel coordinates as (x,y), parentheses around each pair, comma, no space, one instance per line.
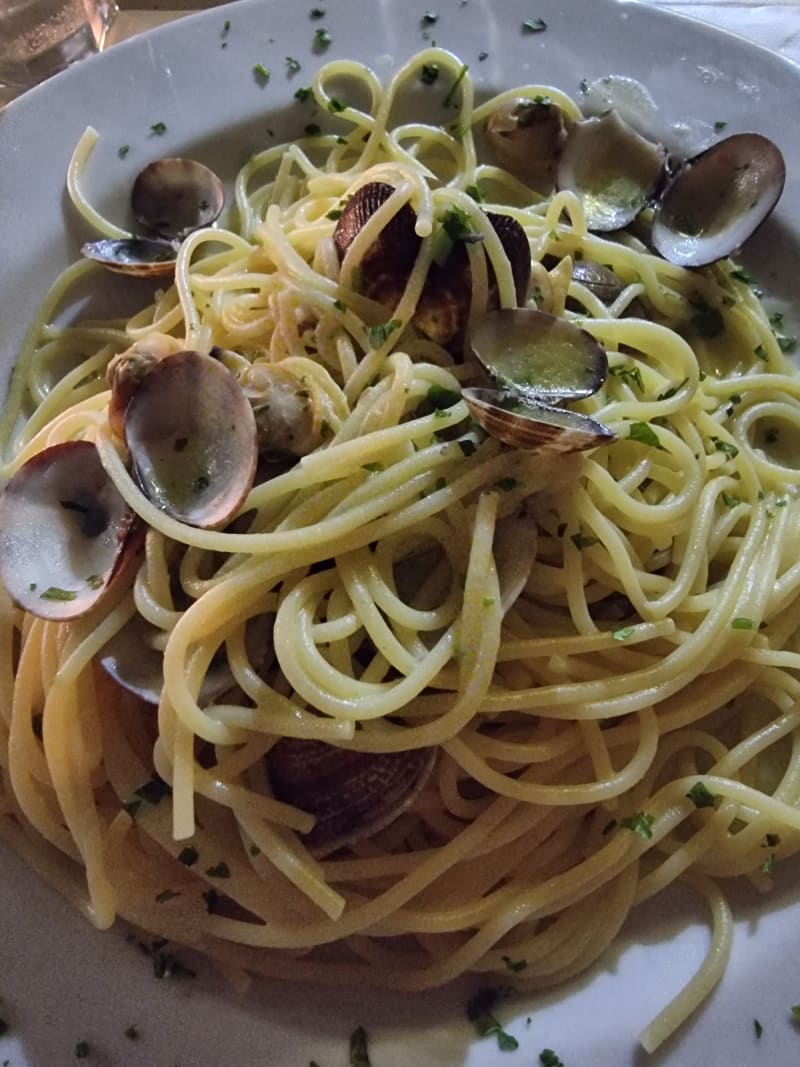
(443,307)
(351,794)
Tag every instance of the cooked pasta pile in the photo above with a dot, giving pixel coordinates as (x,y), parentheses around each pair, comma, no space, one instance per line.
(601,650)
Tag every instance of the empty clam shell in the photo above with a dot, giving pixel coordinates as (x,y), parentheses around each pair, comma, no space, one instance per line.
(65,532)
(527,135)
(533,426)
(716,200)
(191,434)
(174,197)
(141,257)
(539,356)
(352,794)
(611,169)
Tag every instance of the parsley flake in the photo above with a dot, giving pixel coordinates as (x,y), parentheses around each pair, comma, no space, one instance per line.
(54,593)
(188,856)
(727,447)
(644,433)
(322,40)
(132,1033)
(548,1058)
(429,18)
(303,93)
(536,25)
(165,895)
(582,540)
(359,1048)
(479,1013)
(219,870)
(261,74)
(82,1050)
(442,398)
(701,796)
(623,633)
(292,65)
(336,106)
(730,501)
(452,91)
(758,1029)
(379,335)
(158,128)
(513,965)
(795,1010)
(123,150)
(742,623)
(429,73)
(720,124)
(640,824)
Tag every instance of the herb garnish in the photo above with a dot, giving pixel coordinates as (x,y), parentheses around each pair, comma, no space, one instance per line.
(548,1058)
(132,1033)
(317,13)
(720,124)
(758,1029)
(158,128)
(623,633)
(479,1012)
(219,870)
(379,335)
(443,398)
(730,501)
(536,25)
(82,1050)
(742,623)
(644,433)
(123,150)
(641,824)
(513,965)
(292,65)
(359,1051)
(154,790)
(165,895)
(582,540)
(452,91)
(188,856)
(629,373)
(727,447)
(261,74)
(429,18)
(429,74)
(302,94)
(335,106)
(313,130)
(54,593)
(701,796)
(322,40)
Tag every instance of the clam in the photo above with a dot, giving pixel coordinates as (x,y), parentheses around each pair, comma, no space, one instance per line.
(126,370)
(352,794)
(533,426)
(527,135)
(539,356)
(716,200)
(287,409)
(612,170)
(536,362)
(65,532)
(170,199)
(134,660)
(191,434)
(444,304)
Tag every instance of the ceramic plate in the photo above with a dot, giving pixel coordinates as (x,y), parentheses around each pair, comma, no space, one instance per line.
(62,982)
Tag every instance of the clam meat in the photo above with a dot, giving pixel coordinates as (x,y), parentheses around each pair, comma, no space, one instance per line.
(527,135)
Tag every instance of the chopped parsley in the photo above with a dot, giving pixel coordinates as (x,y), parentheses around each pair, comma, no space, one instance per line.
(741,275)
(630,374)
(701,796)
(322,40)
(292,65)
(82,1050)
(506,485)
(771,840)
(334,215)
(188,856)
(158,128)
(640,824)
(623,633)
(132,1033)
(154,790)
(536,25)
(760,352)
(359,1048)
(373,468)
(261,73)
(303,93)
(123,150)
(742,623)
(219,870)
(727,447)
(429,73)
(644,433)
(479,1013)
(720,124)
(467,446)
(313,130)
(456,225)
(335,106)
(513,965)
(582,540)
(54,593)
(758,1029)
(795,1010)
(673,389)
(476,191)
(707,320)
(317,13)
(442,398)
(548,1058)
(452,91)
(768,866)
(165,895)
(429,18)
(379,335)
(339,305)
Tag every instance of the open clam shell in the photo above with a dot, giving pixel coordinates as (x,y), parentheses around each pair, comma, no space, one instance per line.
(539,356)
(65,532)
(612,170)
(533,426)
(142,257)
(716,200)
(174,197)
(352,794)
(191,434)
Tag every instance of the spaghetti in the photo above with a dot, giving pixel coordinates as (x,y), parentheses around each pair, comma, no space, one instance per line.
(601,652)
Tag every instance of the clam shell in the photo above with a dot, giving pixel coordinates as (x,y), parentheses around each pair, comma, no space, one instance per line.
(352,794)
(65,532)
(191,434)
(174,197)
(141,257)
(611,169)
(534,427)
(539,356)
(716,200)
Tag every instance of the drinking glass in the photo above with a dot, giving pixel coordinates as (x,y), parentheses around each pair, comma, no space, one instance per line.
(39,38)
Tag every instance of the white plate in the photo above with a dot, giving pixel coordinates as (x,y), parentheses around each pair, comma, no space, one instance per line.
(60,980)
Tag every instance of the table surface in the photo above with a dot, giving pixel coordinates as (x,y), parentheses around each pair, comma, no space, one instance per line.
(772,23)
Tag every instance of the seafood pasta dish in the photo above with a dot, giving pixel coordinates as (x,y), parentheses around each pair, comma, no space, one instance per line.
(419,567)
